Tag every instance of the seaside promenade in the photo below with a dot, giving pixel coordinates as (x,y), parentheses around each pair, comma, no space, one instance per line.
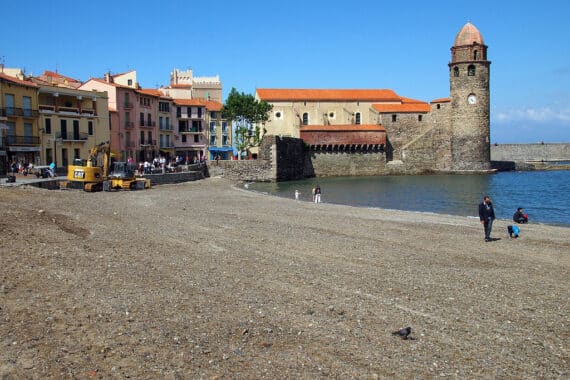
(207,280)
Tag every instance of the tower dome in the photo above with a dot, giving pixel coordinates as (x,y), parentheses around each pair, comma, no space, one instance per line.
(468,35)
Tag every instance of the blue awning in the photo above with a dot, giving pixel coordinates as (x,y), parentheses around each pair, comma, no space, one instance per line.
(221,149)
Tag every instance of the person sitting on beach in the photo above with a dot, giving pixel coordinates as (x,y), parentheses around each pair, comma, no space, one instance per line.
(519,216)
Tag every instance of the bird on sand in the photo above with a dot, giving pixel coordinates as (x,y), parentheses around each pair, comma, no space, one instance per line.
(403,332)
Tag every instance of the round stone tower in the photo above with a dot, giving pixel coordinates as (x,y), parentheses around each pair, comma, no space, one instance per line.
(470,101)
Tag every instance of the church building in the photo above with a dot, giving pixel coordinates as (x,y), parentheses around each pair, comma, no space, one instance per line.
(383,132)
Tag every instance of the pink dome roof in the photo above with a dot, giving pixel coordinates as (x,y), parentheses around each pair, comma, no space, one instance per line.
(468,35)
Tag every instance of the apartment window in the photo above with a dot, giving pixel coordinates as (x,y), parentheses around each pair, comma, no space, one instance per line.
(160,126)
(76,153)
(224,127)
(189,111)
(167,126)
(63,128)
(196,138)
(357,118)
(213,140)
(141,119)
(76,129)
(183,138)
(168,141)
(9,104)
(456,71)
(141,138)
(149,120)
(471,70)
(164,107)
(64,157)
(27,105)
(127,100)
(394,118)
(199,111)
(225,140)
(306,118)
(212,127)
(178,111)
(47,128)
(129,82)
(149,137)
(28,133)
(49,155)
(213,115)
(420,117)
(90,128)
(128,139)
(161,140)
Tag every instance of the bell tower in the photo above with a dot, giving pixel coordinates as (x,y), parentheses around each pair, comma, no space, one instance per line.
(470,101)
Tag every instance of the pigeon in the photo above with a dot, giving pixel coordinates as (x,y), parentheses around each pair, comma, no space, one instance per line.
(403,333)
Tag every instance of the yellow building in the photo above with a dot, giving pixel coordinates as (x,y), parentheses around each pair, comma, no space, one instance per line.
(18,122)
(71,122)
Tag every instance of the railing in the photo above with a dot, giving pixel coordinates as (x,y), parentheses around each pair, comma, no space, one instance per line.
(13,111)
(190,130)
(148,142)
(147,124)
(129,124)
(78,136)
(166,145)
(127,105)
(22,140)
(68,109)
(129,143)
(87,111)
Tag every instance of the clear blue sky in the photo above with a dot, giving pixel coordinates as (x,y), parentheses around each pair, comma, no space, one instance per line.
(402,46)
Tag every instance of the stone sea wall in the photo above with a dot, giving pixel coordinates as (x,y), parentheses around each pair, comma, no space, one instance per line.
(548,152)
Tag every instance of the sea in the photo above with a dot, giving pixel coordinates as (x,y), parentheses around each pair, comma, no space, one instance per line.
(543,195)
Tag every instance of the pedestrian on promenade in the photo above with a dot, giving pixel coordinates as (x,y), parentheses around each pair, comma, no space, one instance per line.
(317,194)
(297,195)
(487,216)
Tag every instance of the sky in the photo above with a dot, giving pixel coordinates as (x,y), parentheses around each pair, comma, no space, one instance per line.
(403,46)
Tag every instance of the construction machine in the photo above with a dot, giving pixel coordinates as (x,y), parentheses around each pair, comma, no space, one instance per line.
(89,174)
(93,174)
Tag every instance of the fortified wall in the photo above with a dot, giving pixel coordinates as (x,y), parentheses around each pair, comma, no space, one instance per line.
(547,152)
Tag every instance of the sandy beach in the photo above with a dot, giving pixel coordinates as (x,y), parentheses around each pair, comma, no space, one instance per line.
(208,280)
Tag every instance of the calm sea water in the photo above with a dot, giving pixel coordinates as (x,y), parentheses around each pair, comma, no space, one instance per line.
(544,195)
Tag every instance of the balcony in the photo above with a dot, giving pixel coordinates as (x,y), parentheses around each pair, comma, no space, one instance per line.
(148,143)
(130,144)
(190,130)
(143,124)
(129,124)
(13,111)
(48,108)
(127,105)
(166,145)
(22,140)
(70,136)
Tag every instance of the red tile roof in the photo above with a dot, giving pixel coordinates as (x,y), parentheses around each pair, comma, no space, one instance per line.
(150,92)
(274,94)
(404,107)
(211,105)
(441,100)
(110,83)
(345,127)
(53,74)
(26,83)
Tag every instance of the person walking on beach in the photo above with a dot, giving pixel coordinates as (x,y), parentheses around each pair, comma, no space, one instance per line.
(297,195)
(487,216)
(317,194)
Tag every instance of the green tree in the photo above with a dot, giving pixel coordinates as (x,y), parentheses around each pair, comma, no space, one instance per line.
(248,114)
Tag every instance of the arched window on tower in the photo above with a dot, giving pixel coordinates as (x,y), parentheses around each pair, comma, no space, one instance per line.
(305,118)
(471,70)
(475,55)
(456,71)
(357,118)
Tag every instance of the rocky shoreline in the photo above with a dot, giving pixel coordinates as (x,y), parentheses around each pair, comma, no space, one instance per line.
(206,280)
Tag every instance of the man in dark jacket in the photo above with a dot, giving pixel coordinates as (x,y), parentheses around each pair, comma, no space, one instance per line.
(487,215)
(520,216)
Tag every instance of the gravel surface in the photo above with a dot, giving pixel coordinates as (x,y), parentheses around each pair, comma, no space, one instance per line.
(207,280)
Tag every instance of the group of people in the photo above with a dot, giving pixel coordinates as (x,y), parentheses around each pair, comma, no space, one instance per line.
(316,191)
(487,216)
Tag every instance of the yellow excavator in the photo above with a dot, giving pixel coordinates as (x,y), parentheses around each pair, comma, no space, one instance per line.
(93,174)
